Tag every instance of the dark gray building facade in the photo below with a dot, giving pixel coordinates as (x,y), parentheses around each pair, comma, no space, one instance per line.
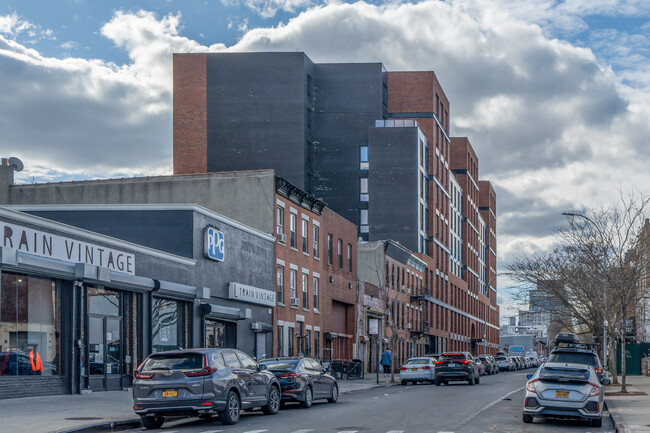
(92,290)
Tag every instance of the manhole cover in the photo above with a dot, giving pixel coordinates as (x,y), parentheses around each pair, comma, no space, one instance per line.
(84,418)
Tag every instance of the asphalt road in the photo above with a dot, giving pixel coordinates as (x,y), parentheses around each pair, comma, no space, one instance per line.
(492,406)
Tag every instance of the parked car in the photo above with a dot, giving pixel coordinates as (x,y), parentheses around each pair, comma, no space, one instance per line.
(504,363)
(303,380)
(416,370)
(453,366)
(564,390)
(491,364)
(482,367)
(515,362)
(578,356)
(202,382)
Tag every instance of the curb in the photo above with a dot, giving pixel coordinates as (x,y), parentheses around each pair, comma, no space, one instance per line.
(618,427)
(386,385)
(105,426)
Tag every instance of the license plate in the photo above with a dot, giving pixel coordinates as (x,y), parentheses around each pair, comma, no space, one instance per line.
(414,369)
(451,364)
(170,393)
(562,394)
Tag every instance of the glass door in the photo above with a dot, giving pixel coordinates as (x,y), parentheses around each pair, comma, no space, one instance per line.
(104,340)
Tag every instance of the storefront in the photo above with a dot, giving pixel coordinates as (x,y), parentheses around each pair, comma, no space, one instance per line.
(92,306)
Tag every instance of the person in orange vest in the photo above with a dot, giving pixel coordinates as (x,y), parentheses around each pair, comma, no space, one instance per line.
(35,360)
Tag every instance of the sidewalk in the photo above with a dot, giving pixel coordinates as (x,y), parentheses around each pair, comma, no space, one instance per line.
(68,413)
(630,413)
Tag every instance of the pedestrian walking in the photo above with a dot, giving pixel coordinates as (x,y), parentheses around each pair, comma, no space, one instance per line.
(386,361)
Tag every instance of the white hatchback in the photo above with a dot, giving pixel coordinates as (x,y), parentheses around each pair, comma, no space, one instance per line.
(416,370)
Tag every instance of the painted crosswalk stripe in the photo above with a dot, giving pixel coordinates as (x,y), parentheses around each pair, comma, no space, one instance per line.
(395,431)
(303,431)
(255,431)
(212,431)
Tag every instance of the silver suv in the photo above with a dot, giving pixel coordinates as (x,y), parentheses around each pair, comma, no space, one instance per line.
(202,382)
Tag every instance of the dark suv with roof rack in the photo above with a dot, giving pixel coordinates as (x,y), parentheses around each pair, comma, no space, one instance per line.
(568,349)
(457,366)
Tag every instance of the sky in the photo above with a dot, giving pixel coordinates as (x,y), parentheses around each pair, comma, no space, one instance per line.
(554,95)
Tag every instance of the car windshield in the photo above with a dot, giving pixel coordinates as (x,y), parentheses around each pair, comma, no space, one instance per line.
(574,358)
(178,361)
(417,361)
(453,356)
(559,374)
(501,358)
(283,364)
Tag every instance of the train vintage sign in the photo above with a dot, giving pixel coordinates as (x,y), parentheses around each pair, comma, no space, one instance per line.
(40,243)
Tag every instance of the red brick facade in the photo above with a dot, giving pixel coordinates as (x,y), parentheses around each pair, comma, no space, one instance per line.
(190,114)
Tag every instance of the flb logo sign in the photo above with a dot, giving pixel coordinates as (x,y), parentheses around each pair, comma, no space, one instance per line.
(214,244)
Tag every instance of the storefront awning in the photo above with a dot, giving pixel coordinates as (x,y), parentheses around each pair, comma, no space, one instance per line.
(223,312)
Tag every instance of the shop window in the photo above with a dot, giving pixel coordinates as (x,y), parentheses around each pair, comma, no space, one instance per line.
(30,326)
(166,325)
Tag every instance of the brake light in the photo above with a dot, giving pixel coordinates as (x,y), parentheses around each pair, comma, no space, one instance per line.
(440,362)
(530,386)
(599,369)
(289,375)
(426,367)
(403,369)
(464,362)
(595,390)
(205,371)
(137,407)
(139,375)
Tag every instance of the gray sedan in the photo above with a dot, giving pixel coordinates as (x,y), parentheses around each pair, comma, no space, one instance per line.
(202,382)
(562,390)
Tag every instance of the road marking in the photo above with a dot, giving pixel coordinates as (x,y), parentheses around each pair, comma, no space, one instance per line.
(304,430)
(488,406)
(212,431)
(255,431)
(395,431)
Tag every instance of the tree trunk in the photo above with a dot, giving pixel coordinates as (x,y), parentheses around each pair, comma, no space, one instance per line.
(623,388)
(392,357)
(612,359)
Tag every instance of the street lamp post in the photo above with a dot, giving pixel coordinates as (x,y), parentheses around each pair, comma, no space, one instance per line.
(602,239)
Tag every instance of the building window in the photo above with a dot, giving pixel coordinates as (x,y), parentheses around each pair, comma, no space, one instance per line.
(300,336)
(315,241)
(292,229)
(349,258)
(384,96)
(30,326)
(280,283)
(305,248)
(315,290)
(290,342)
(308,85)
(305,300)
(165,331)
(316,344)
(363,216)
(280,338)
(339,249)
(307,342)
(363,158)
(329,249)
(292,282)
(279,228)
(308,118)
(363,189)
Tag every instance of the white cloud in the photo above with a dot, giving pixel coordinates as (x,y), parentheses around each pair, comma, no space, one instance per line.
(553,126)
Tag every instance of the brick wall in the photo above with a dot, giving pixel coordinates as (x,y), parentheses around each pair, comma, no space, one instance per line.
(190,114)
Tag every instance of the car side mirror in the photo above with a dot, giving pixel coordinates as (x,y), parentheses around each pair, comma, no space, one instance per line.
(261,367)
(529,376)
(605,382)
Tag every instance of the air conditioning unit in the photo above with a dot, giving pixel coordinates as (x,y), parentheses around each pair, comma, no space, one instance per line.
(281,237)
(256,326)
(409,326)
(408,291)
(295,302)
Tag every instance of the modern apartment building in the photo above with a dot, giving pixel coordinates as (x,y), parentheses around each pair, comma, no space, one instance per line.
(372,144)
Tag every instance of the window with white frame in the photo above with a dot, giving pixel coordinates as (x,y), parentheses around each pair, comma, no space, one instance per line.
(315,290)
(363,189)
(315,240)
(292,283)
(305,227)
(279,228)
(305,299)
(280,282)
(292,229)
(363,158)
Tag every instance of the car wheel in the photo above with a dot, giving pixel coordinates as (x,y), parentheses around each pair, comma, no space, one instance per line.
(230,414)
(436,382)
(527,418)
(335,394)
(282,404)
(471,380)
(403,383)
(477,380)
(309,398)
(597,422)
(151,422)
(273,405)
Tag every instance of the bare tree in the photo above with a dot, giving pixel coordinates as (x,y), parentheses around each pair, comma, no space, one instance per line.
(599,264)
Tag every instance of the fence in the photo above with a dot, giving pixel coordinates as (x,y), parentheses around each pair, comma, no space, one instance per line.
(349,370)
